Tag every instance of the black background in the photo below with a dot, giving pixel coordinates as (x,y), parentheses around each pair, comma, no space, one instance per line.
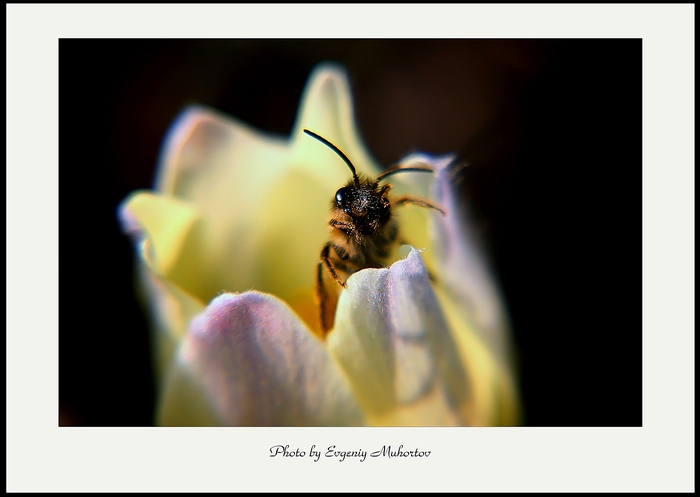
(551,130)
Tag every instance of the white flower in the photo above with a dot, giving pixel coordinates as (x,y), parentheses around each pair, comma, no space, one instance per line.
(228,245)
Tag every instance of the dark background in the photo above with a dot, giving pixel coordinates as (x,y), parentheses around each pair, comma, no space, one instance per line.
(551,130)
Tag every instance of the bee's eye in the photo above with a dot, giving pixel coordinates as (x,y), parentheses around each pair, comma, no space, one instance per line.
(341,197)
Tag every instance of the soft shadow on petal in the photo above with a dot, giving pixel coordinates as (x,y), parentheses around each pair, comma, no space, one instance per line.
(247,360)
(393,343)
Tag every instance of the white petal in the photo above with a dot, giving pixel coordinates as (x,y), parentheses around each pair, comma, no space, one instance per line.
(393,343)
(247,360)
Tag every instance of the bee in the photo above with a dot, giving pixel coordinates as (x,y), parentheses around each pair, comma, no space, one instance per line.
(363,228)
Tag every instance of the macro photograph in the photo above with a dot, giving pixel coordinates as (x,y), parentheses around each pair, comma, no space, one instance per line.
(350,232)
(350,247)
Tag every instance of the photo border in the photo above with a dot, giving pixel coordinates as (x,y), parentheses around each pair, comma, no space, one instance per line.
(43,457)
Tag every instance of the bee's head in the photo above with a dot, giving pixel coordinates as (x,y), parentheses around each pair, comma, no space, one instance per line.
(362,201)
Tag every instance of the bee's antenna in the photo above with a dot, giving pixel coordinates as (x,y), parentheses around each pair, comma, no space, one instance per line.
(337,151)
(402,170)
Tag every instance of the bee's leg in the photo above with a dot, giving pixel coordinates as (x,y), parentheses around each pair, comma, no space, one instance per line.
(325,300)
(418,201)
(346,228)
(325,259)
(385,189)
(322,297)
(423,203)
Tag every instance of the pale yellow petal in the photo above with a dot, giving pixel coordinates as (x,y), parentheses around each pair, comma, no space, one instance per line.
(228,172)
(327,109)
(164,231)
(473,305)
(262,200)
(494,397)
(168,233)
